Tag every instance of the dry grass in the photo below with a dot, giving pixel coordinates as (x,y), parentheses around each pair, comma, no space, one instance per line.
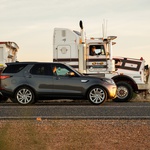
(74,134)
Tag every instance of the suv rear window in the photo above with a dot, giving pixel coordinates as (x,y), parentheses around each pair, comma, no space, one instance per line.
(41,69)
(14,68)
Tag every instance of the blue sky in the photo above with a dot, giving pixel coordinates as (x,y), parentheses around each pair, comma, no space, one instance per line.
(30,24)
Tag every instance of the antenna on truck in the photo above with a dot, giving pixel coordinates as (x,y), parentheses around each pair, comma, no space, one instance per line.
(104,29)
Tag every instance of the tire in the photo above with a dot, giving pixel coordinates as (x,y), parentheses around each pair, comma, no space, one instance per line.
(124,92)
(3,99)
(97,95)
(24,96)
(13,100)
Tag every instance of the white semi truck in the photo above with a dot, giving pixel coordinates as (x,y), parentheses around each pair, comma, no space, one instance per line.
(71,47)
(8,53)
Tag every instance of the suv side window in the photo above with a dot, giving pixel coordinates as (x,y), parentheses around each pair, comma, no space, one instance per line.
(14,68)
(41,69)
(60,70)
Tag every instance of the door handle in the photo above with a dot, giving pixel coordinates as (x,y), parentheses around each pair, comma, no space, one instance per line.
(29,76)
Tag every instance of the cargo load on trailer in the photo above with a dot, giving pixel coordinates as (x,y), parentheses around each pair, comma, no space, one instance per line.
(8,53)
(94,56)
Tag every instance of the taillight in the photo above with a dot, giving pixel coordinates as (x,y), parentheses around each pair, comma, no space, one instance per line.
(2,77)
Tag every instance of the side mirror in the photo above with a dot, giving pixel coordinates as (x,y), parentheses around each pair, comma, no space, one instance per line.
(71,74)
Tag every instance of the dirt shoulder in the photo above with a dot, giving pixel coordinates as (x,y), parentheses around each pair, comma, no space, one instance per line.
(74,134)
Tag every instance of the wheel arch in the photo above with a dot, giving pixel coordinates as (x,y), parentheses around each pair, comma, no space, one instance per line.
(25,85)
(86,93)
(127,79)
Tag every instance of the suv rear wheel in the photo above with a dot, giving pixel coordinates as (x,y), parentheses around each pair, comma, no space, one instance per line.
(24,96)
(97,95)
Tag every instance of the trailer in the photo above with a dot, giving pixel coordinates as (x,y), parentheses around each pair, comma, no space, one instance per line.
(8,53)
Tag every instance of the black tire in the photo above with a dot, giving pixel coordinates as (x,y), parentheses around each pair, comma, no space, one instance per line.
(124,92)
(24,96)
(13,100)
(97,95)
(3,99)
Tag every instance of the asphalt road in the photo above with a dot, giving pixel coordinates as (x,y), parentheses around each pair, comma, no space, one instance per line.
(76,110)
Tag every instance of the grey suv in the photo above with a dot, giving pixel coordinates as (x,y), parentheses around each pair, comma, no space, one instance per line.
(27,82)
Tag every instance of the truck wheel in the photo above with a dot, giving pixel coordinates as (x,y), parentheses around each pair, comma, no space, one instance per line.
(24,96)
(97,95)
(124,92)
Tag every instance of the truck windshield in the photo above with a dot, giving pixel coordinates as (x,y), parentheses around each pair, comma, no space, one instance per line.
(96,50)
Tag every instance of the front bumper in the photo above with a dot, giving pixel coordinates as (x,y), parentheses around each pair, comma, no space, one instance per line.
(112,92)
(143,86)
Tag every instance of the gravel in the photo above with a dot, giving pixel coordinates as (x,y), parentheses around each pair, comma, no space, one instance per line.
(74,134)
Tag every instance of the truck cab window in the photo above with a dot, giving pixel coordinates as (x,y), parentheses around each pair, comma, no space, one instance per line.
(96,50)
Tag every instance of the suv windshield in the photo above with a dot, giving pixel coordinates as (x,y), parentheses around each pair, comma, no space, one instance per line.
(80,74)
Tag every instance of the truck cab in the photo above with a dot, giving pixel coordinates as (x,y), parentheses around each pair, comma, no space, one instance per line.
(94,57)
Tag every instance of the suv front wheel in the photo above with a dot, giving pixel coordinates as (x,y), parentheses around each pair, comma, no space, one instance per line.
(97,95)
(24,96)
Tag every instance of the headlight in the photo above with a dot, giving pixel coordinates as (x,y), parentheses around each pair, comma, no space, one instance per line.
(109,80)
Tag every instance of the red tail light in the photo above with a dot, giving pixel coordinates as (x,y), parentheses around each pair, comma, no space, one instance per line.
(2,77)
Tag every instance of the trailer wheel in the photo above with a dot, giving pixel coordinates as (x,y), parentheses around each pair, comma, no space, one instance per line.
(124,92)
